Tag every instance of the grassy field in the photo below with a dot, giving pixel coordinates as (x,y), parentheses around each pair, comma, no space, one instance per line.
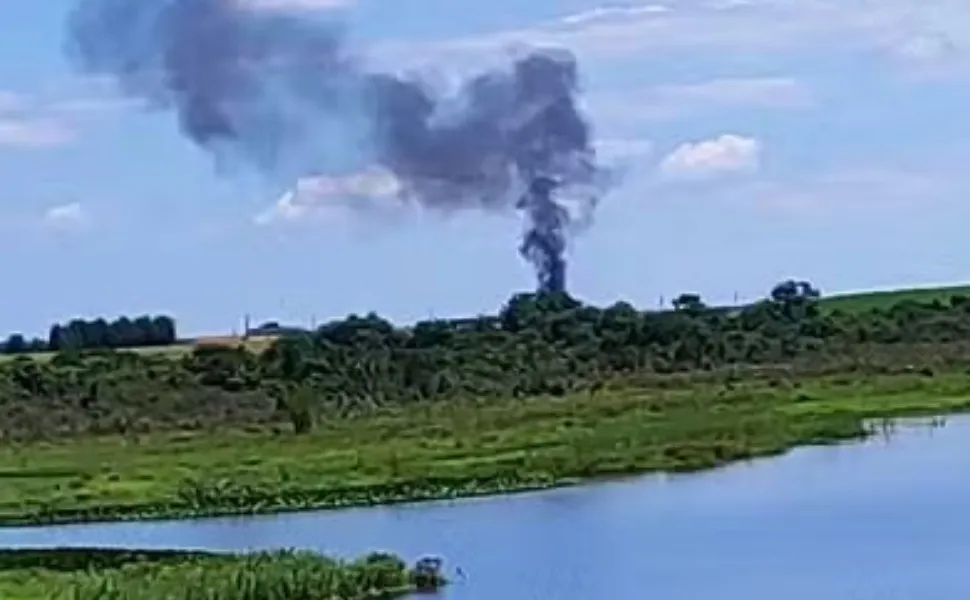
(451,450)
(253,344)
(106,574)
(863,301)
(42,574)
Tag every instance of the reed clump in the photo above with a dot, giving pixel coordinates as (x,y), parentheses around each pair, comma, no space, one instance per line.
(95,574)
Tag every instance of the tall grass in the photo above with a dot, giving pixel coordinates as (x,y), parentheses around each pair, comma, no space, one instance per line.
(94,574)
(455,449)
(885,299)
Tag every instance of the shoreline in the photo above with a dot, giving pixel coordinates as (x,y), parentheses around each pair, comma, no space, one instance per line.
(89,573)
(432,496)
(429,495)
(420,497)
(686,440)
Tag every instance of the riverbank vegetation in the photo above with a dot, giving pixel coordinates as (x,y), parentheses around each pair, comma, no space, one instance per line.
(105,574)
(535,346)
(546,392)
(454,449)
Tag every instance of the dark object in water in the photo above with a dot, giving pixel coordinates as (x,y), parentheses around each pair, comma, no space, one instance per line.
(427,575)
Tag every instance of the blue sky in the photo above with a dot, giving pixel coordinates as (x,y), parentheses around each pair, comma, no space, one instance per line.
(763,139)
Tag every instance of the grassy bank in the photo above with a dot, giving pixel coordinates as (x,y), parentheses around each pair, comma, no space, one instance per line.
(255,344)
(861,302)
(451,450)
(101,574)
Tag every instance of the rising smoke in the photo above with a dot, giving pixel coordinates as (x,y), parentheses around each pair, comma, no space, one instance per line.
(271,88)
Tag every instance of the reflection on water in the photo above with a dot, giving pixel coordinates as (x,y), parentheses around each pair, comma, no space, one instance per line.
(879,520)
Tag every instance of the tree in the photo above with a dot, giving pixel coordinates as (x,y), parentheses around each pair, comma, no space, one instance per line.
(126,333)
(538,344)
(792,291)
(164,330)
(15,344)
(55,338)
(97,334)
(690,303)
(80,334)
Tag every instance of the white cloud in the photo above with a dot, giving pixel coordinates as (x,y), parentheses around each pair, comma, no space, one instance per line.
(749,25)
(925,48)
(33,133)
(672,101)
(66,216)
(60,105)
(931,56)
(92,104)
(287,5)
(603,13)
(326,196)
(42,122)
(781,92)
(856,190)
(728,153)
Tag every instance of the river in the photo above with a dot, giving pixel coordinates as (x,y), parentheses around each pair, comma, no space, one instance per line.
(885,519)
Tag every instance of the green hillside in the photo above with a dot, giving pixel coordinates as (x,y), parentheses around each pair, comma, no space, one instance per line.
(863,301)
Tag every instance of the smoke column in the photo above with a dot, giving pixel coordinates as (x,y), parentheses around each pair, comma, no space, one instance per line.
(271,88)
(545,242)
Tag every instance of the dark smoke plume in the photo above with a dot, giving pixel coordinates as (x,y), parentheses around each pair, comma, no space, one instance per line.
(545,241)
(273,89)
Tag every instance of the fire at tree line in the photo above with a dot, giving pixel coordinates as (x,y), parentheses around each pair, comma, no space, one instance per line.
(538,344)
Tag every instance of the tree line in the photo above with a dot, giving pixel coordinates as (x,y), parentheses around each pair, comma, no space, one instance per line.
(98,334)
(554,344)
(537,344)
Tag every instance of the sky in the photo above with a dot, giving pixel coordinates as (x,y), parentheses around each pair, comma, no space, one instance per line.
(761,140)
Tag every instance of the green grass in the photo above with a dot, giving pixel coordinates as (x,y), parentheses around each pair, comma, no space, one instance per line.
(174,351)
(864,301)
(106,574)
(36,574)
(256,345)
(451,450)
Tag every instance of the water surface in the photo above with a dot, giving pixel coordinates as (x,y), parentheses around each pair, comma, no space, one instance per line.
(885,519)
